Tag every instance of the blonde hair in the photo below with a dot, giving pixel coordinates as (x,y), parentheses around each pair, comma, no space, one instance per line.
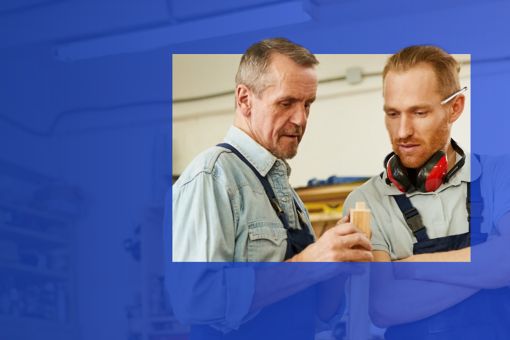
(445,67)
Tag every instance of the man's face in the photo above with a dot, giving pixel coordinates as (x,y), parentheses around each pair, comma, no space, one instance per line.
(280,112)
(417,123)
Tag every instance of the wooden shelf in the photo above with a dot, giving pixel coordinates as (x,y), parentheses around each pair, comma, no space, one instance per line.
(324,203)
(325,217)
(327,193)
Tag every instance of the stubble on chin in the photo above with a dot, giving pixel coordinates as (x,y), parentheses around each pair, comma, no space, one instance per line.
(285,154)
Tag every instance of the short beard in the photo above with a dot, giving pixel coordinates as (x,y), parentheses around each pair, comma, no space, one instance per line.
(439,141)
(284,154)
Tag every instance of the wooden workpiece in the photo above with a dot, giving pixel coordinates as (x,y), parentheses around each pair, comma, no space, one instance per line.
(360,216)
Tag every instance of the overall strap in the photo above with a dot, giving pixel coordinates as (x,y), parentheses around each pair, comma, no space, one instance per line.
(412,217)
(297,239)
(265,183)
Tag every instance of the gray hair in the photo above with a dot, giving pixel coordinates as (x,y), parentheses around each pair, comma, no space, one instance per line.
(257,58)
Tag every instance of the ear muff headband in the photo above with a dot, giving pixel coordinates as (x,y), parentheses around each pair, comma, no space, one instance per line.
(457,165)
(429,177)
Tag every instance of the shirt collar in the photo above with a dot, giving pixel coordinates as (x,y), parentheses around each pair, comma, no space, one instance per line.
(255,153)
(470,171)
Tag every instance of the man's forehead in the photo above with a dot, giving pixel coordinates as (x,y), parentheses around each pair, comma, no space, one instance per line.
(292,73)
(301,78)
(417,82)
(421,76)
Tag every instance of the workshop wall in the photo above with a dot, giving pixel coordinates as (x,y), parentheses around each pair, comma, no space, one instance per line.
(345,134)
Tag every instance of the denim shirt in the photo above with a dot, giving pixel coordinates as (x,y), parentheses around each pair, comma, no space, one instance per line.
(221,211)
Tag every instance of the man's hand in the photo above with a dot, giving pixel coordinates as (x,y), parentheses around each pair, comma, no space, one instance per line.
(342,243)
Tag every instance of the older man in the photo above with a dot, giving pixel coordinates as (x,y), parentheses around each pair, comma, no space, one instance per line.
(234,201)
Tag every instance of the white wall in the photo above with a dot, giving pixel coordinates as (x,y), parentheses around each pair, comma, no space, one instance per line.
(345,134)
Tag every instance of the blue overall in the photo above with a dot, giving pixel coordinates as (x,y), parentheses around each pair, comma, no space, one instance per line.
(290,318)
(485,315)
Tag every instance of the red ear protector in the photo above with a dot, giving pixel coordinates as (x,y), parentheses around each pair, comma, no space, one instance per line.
(429,177)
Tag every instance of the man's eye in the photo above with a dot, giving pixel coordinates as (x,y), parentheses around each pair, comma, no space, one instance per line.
(392,114)
(420,113)
(285,104)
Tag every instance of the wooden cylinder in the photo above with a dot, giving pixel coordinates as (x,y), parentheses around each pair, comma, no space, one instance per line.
(361,217)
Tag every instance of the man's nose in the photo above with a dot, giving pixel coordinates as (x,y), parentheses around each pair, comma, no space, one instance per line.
(405,128)
(300,115)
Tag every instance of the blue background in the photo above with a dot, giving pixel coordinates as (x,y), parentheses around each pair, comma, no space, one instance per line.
(85,134)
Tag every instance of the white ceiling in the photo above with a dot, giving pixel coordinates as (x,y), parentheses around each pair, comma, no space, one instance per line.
(201,75)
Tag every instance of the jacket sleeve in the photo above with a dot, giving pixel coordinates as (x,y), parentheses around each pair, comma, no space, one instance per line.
(201,230)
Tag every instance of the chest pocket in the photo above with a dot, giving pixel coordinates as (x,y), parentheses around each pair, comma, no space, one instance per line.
(267,241)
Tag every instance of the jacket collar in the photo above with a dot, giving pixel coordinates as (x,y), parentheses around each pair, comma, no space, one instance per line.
(261,159)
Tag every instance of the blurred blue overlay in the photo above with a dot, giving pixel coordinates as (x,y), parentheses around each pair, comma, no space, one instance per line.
(86,145)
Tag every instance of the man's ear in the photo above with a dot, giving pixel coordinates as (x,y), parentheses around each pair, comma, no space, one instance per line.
(243,99)
(457,108)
